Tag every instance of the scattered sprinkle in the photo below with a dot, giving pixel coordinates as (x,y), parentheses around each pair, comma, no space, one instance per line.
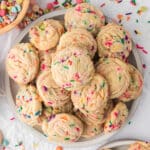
(133,2)
(19,144)
(130,13)
(129,122)
(102,5)
(118,1)
(141,48)
(5,142)
(148,21)
(144,66)
(137,32)
(59,148)
(13,118)
(142,10)
(137,20)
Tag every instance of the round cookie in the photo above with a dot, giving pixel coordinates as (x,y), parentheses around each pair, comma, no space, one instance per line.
(114,41)
(57,25)
(72,68)
(135,86)
(116,73)
(93,97)
(22,63)
(80,38)
(116,118)
(63,128)
(28,104)
(91,130)
(139,146)
(50,92)
(45,59)
(44,36)
(50,112)
(84,16)
(95,118)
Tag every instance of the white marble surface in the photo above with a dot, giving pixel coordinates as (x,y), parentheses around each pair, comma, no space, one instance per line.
(140,123)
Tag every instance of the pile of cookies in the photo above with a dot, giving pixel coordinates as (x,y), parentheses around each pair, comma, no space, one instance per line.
(62,87)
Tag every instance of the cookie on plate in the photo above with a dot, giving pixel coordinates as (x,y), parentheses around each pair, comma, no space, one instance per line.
(44,35)
(93,97)
(28,104)
(95,118)
(135,86)
(72,68)
(116,73)
(140,146)
(50,92)
(92,130)
(63,128)
(22,63)
(114,41)
(46,59)
(116,118)
(80,38)
(85,16)
(49,112)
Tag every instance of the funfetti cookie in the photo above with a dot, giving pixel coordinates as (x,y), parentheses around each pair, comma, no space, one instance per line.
(93,97)
(85,16)
(22,63)
(28,104)
(80,38)
(46,59)
(44,36)
(140,146)
(95,118)
(116,118)
(116,73)
(135,86)
(50,92)
(114,41)
(63,128)
(49,112)
(57,25)
(91,130)
(72,68)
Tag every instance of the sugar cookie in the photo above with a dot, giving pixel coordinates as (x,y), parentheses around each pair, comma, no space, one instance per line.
(20,61)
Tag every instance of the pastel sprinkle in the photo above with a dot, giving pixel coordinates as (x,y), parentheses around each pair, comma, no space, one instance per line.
(128,13)
(38,113)
(133,2)
(66,139)
(13,118)
(137,32)
(129,122)
(142,10)
(144,66)
(19,144)
(141,48)
(59,148)
(5,142)
(103,4)
(66,67)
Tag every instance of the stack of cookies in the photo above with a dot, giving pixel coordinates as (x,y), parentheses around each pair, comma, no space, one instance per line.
(62,87)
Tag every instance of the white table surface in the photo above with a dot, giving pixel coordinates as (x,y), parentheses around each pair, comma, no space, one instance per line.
(139,128)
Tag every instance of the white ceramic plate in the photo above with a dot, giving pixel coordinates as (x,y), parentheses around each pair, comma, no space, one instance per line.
(118,145)
(11,87)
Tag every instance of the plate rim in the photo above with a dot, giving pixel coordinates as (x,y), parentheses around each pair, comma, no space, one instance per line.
(100,139)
